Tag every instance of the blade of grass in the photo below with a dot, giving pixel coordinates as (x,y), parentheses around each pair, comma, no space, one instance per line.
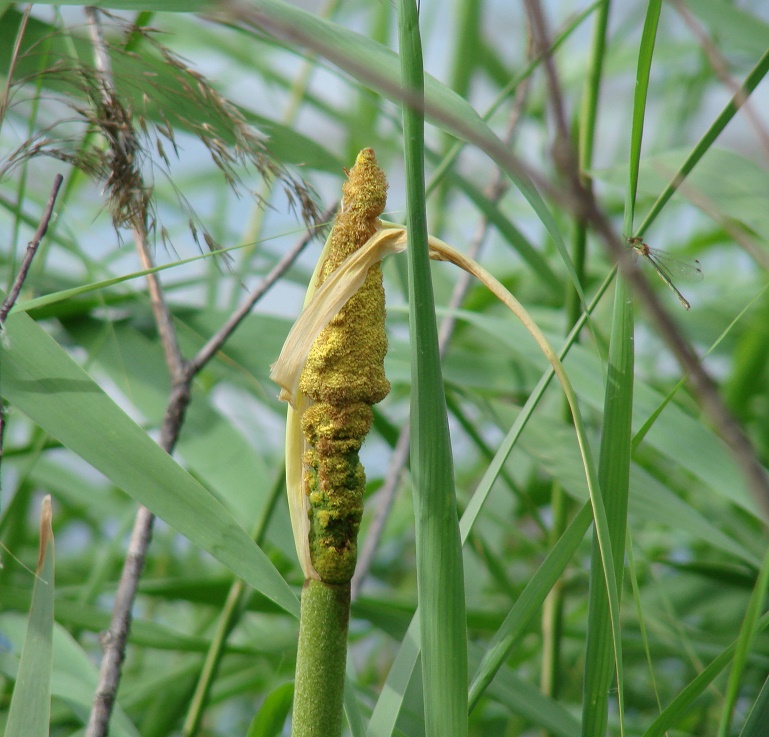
(603,651)
(745,641)
(30,708)
(388,705)
(528,603)
(614,465)
(682,703)
(755,726)
(65,294)
(440,577)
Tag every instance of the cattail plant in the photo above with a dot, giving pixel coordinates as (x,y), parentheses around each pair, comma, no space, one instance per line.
(329,416)
(331,373)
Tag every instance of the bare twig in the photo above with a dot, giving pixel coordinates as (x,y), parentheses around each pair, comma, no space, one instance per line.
(32,247)
(18,283)
(116,637)
(182,373)
(217,341)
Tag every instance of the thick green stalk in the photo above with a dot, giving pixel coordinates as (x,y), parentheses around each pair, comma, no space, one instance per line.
(321,659)
(440,579)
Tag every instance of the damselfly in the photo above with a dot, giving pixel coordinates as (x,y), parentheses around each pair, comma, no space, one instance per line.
(667,267)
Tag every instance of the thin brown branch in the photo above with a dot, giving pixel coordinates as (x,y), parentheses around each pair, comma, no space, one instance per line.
(702,384)
(160,310)
(217,340)
(32,247)
(115,638)
(114,644)
(18,283)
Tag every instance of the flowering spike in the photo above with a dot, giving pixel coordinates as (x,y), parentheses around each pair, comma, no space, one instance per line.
(342,377)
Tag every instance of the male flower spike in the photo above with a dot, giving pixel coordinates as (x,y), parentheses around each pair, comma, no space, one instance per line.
(342,378)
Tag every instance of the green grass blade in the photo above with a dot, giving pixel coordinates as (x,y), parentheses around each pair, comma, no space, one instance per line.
(388,705)
(682,703)
(603,638)
(41,380)
(30,709)
(603,653)
(528,603)
(51,299)
(755,726)
(645,54)
(440,579)
(271,717)
(745,642)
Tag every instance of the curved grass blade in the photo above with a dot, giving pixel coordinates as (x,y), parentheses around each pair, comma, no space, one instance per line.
(30,709)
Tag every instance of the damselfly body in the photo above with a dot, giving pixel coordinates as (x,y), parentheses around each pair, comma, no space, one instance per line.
(667,267)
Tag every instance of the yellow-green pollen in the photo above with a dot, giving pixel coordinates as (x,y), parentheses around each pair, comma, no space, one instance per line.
(344,376)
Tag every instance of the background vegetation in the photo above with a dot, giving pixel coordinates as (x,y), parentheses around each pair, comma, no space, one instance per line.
(87,387)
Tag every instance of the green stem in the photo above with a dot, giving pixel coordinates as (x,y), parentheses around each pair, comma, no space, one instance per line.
(321,660)
(440,577)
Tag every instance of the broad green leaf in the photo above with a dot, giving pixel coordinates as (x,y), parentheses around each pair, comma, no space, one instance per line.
(43,382)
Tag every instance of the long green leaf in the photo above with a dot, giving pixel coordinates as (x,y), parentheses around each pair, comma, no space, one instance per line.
(603,638)
(746,639)
(529,602)
(43,382)
(683,701)
(440,578)
(30,708)
(755,726)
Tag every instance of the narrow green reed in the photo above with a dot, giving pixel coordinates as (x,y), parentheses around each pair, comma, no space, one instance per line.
(440,579)
(603,659)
